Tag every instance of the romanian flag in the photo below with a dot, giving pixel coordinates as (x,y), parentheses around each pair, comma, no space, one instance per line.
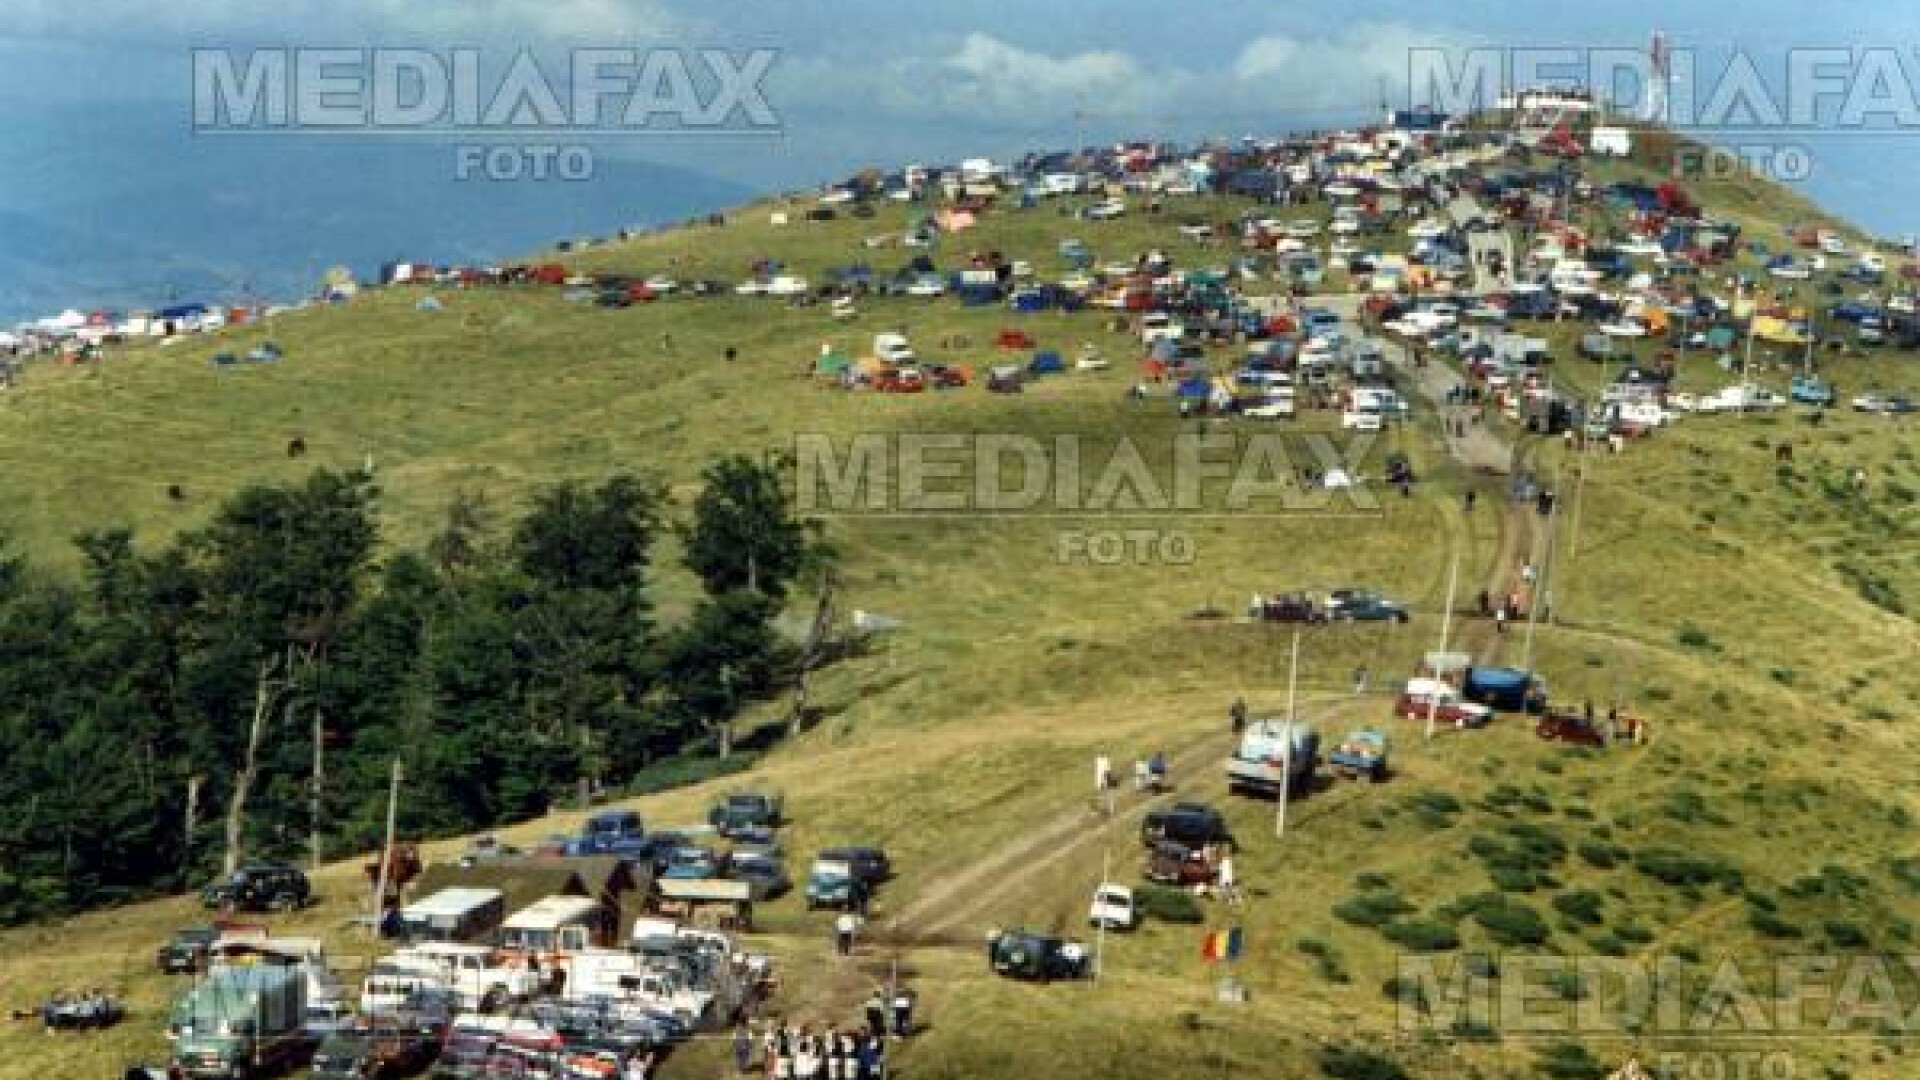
(1221,945)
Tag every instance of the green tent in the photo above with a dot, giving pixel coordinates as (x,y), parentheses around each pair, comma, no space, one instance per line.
(832,364)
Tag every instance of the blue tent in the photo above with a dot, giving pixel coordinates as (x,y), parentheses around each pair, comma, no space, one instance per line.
(1196,388)
(1165,348)
(1029,300)
(1047,362)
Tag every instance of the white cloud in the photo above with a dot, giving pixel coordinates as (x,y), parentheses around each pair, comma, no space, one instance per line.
(1347,68)
(991,72)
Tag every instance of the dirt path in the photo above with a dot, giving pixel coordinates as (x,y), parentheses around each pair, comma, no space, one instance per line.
(953,909)
(960,904)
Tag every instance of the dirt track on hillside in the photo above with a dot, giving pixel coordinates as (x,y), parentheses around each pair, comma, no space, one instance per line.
(958,908)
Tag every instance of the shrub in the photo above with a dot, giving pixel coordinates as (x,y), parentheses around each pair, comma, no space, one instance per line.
(1352,1063)
(1512,922)
(1671,867)
(1692,637)
(1372,881)
(1633,933)
(1845,935)
(1582,905)
(1571,1061)
(1371,909)
(1406,993)
(1600,856)
(1421,935)
(1770,925)
(1169,905)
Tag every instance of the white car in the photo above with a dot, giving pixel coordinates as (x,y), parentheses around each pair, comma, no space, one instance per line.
(1106,210)
(1281,409)
(1114,908)
(1363,420)
(785,285)
(927,286)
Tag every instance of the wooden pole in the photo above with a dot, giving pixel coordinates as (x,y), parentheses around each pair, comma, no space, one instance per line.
(1286,745)
(1446,629)
(386,849)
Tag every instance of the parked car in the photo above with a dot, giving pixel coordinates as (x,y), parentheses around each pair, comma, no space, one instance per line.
(605,831)
(744,809)
(371,1054)
(1170,862)
(1569,727)
(1368,607)
(186,952)
(1023,954)
(1447,705)
(1810,390)
(261,887)
(1190,823)
(1288,607)
(765,875)
(1362,753)
(1113,907)
(691,864)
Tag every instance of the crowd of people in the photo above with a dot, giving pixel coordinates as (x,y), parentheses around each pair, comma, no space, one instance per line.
(789,1052)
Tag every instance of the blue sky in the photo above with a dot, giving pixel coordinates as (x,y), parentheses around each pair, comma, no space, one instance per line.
(857,81)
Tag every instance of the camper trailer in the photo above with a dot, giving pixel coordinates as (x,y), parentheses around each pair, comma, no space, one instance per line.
(456,914)
(558,924)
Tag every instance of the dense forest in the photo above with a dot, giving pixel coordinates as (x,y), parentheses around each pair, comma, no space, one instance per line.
(242,692)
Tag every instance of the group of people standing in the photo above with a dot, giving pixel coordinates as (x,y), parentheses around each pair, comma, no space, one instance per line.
(788,1052)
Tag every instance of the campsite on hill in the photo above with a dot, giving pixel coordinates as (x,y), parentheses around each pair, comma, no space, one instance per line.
(1570,507)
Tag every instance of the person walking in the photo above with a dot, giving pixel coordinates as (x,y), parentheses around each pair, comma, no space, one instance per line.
(1500,620)
(1237,712)
(1102,775)
(876,1013)
(843,931)
(742,1049)
(1360,680)
(902,1012)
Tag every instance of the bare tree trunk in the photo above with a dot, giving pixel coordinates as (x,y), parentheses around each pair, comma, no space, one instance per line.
(192,825)
(812,653)
(265,693)
(315,813)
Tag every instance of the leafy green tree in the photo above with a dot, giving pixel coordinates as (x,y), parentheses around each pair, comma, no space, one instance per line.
(744,533)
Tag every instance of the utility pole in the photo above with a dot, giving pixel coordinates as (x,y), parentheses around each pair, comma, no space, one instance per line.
(1100,928)
(1440,658)
(386,850)
(1286,745)
(1540,585)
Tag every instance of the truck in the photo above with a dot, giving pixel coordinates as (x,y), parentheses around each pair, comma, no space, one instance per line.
(1505,689)
(480,975)
(738,811)
(1275,758)
(241,1023)
(1363,753)
(1422,698)
(625,977)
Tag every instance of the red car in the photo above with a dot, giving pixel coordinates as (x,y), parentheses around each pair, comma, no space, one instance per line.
(1569,727)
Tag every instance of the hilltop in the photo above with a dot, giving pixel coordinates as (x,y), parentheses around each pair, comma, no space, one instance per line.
(1751,606)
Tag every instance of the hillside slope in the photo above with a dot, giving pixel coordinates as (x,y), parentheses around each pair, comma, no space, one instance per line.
(1697,579)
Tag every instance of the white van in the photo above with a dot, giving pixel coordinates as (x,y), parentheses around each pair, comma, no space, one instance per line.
(455,914)
(557,924)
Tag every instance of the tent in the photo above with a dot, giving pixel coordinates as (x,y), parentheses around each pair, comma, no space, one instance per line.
(428,303)
(1047,363)
(1012,338)
(832,365)
(1196,388)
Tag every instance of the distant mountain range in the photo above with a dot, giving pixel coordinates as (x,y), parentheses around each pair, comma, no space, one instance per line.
(124,208)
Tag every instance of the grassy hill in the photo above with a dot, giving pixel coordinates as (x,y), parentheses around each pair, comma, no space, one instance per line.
(1751,608)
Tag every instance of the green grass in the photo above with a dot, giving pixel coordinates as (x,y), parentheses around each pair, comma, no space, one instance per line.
(973,727)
